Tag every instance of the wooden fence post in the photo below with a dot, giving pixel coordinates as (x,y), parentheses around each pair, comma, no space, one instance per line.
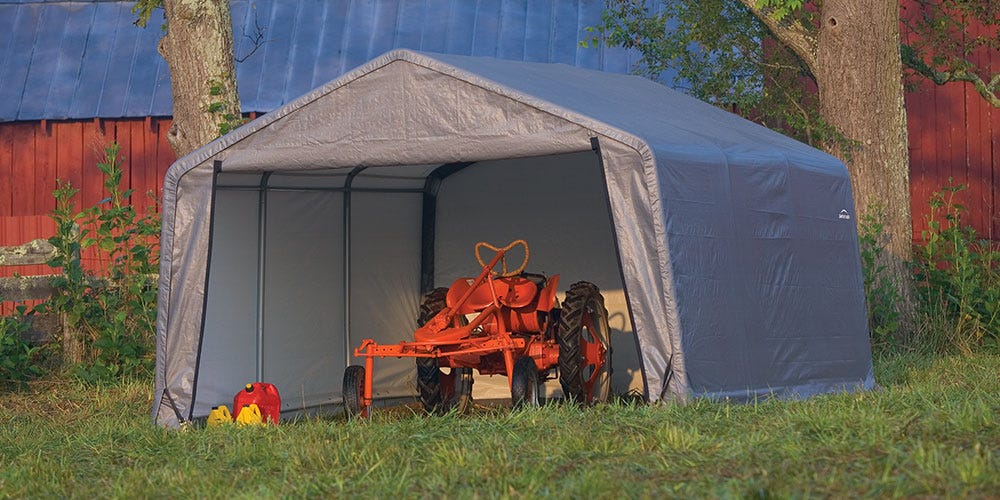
(20,288)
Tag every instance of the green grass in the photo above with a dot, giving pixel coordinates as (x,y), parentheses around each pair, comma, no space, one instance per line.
(934,430)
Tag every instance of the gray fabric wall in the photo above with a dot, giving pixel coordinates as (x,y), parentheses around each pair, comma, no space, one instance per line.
(765,269)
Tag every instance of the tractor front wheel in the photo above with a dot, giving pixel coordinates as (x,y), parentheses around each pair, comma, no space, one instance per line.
(441,392)
(354,392)
(584,345)
(524,384)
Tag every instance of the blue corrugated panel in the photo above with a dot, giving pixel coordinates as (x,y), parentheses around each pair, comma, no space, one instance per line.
(392,22)
(303,51)
(246,20)
(566,32)
(118,79)
(47,48)
(329,56)
(86,98)
(18,44)
(79,59)
(147,72)
(272,57)
(68,55)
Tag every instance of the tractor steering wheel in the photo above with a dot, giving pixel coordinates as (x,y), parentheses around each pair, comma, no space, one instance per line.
(503,260)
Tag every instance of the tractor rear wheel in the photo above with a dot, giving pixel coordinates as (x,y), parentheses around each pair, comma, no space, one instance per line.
(583,329)
(354,391)
(441,392)
(524,385)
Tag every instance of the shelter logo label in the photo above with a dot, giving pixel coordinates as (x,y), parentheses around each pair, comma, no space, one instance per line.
(844,215)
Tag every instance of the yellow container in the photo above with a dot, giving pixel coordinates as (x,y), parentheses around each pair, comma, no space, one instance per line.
(250,415)
(219,416)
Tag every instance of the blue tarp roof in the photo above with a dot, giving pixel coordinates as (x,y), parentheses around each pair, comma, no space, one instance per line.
(86,59)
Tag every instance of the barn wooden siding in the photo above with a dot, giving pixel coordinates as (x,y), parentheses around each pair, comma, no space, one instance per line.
(955,134)
(35,155)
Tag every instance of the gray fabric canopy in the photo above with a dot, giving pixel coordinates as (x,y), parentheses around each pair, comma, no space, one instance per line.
(727,252)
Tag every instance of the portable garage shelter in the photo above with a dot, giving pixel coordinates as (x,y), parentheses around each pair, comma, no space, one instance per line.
(728,251)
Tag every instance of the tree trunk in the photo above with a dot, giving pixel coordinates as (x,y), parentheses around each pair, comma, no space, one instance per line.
(74,349)
(198,48)
(859,74)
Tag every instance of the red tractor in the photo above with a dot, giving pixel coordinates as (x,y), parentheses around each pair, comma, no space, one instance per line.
(500,322)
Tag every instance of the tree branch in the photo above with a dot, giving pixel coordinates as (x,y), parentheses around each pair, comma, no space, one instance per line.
(790,32)
(257,38)
(989,90)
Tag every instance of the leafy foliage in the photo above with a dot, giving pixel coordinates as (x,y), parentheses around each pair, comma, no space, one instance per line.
(881,294)
(780,9)
(17,357)
(71,285)
(723,54)
(717,61)
(117,310)
(228,121)
(143,9)
(951,37)
(958,279)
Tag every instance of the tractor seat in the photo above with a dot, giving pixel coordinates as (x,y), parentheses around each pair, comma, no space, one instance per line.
(538,279)
(513,292)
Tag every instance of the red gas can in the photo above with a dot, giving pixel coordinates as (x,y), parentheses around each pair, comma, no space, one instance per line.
(264,395)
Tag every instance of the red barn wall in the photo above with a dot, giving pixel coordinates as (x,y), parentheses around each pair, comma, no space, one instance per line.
(955,134)
(35,155)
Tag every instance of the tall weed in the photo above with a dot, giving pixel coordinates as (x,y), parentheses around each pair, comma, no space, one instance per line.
(958,280)
(114,308)
(881,294)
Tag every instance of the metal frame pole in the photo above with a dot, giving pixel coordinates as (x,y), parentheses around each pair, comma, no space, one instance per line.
(261,267)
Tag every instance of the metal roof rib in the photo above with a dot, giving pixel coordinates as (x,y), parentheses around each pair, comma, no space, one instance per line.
(328,60)
(299,52)
(381,35)
(39,74)
(66,69)
(117,85)
(75,101)
(434,32)
(140,79)
(320,37)
(488,26)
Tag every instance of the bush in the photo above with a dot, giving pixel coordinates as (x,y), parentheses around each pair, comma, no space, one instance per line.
(957,280)
(880,293)
(17,357)
(113,312)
